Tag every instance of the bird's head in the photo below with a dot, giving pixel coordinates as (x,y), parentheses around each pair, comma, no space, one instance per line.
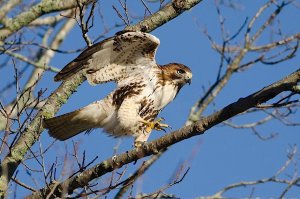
(178,74)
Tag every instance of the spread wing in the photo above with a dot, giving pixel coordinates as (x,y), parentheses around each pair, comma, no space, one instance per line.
(114,58)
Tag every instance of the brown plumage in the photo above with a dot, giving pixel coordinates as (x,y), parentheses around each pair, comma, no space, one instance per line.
(144,88)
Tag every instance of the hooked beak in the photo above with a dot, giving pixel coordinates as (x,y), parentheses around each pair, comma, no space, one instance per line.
(189,81)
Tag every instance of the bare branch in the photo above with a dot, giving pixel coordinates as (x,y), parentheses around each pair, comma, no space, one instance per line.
(7,7)
(165,14)
(235,59)
(51,20)
(273,179)
(144,167)
(25,59)
(84,25)
(23,185)
(121,16)
(25,18)
(145,5)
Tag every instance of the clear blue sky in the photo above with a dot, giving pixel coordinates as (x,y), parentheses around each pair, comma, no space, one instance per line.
(222,155)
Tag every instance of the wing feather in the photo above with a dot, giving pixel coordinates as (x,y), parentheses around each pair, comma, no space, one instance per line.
(114,58)
(81,61)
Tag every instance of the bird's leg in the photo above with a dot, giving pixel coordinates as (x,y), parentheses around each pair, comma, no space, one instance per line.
(155,125)
(141,139)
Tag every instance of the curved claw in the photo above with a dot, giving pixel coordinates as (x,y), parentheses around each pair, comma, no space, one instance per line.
(156,125)
(138,144)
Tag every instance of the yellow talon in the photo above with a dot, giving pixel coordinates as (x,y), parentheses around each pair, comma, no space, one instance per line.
(155,125)
(138,144)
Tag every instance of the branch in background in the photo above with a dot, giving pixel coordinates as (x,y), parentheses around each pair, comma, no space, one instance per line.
(160,192)
(146,7)
(7,7)
(165,14)
(26,60)
(51,20)
(126,184)
(287,84)
(274,179)
(25,18)
(234,61)
(45,47)
(85,25)
(125,19)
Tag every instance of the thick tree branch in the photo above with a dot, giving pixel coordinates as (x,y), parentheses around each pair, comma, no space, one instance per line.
(25,18)
(167,13)
(199,127)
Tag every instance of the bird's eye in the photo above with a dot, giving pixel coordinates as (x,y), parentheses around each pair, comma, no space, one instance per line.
(180,71)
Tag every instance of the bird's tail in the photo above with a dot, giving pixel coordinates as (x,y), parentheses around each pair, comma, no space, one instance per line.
(70,124)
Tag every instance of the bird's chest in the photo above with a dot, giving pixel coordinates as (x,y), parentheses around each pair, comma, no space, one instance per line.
(154,100)
(163,95)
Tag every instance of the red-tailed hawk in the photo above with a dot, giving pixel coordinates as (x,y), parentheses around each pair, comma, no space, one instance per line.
(144,88)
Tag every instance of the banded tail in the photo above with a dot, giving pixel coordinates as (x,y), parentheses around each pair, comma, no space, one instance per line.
(70,124)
